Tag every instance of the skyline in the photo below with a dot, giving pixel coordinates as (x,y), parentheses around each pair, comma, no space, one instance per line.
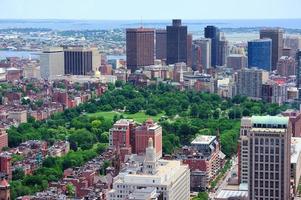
(123,10)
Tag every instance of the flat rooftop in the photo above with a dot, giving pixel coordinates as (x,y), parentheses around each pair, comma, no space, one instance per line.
(203,139)
(275,120)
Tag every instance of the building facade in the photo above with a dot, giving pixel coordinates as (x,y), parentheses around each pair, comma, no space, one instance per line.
(286,66)
(260,54)
(264,156)
(52,62)
(201,55)
(237,61)
(276,35)
(161,42)
(140,47)
(176,42)
(213,33)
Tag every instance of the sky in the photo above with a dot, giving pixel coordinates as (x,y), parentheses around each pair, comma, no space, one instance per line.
(149,9)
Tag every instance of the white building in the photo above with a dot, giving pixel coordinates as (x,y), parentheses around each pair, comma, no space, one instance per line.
(52,62)
(170,178)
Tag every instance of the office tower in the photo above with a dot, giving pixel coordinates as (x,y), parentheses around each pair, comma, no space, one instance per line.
(264,156)
(222,52)
(298,72)
(213,33)
(276,35)
(249,82)
(201,54)
(81,61)
(237,61)
(147,130)
(286,66)
(120,137)
(176,42)
(189,50)
(52,62)
(260,54)
(140,46)
(161,42)
(169,178)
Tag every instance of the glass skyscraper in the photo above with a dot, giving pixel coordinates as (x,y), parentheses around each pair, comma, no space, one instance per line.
(260,54)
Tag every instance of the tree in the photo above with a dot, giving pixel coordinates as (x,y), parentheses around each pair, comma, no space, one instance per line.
(100,148)
(70,190)
(83,139)
(18,174)
(119,83)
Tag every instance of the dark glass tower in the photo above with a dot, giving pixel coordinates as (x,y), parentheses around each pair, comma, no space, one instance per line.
(176,42)
(213,33)
(161,37)
(260,54)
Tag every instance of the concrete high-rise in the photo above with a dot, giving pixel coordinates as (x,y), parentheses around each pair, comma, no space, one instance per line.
(201,54)
(286,66)
(52,62)
(260,54)
(276,35)
(161,42)
(140,47)
(213,33)
(222,52)
(264,156)
(249,82)
(81,61)
(176,42)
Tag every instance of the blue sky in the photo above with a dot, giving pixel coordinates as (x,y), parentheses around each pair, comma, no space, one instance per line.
(149,9)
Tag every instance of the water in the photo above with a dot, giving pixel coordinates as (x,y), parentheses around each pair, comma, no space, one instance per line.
(193,25)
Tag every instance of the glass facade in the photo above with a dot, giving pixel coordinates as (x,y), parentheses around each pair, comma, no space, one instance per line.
(260,54)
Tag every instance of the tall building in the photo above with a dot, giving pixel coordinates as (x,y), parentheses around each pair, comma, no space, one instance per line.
(81,61)
(222,52)
(142,134)
(237,61)
(286,66)
(293,43)
(140,47)
(264,156)
(298,72)
(161,42)
(260,54)
(176,42)
(201,54)
(189,50)
(52,62)
(169,178)
(213,33)
(274,92)
(276,35)
(249,82)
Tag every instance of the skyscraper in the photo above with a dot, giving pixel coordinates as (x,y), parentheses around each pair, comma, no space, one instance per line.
(189,50)
(264,156)
(201,54)
(260,54)
(249,82)
(140,46)
(81,61)
(52,62)
(161,42)
(213,33)
(176,42)
(222,52)
(276,35)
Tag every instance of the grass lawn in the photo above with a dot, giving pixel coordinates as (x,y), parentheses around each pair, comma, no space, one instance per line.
(139,117)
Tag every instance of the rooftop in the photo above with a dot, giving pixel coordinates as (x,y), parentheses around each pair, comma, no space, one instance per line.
(203,139)
(275,120)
